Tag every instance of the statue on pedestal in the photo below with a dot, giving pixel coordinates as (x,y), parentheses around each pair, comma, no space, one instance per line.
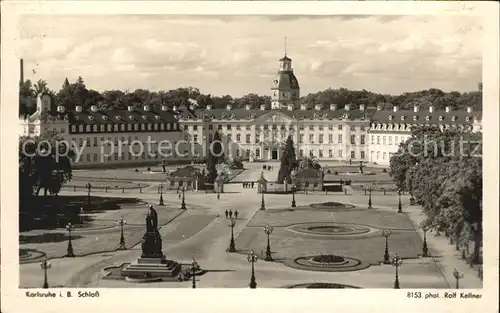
(151,241)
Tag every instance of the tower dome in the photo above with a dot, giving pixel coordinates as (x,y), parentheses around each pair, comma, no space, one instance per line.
(285,88)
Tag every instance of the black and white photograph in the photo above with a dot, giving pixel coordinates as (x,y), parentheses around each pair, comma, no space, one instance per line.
(284,151)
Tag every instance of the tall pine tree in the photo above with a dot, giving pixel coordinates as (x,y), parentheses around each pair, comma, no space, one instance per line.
(288,161)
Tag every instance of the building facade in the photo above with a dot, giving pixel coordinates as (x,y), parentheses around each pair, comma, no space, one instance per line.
(328,132)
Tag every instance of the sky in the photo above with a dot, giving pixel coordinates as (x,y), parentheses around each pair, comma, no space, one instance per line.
(238,55)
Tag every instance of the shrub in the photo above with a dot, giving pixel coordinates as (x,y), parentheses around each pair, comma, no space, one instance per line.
(384,170)
(136,170)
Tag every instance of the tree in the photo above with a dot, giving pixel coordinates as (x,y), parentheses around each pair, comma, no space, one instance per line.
(215,156)
(288,161)
(44,162)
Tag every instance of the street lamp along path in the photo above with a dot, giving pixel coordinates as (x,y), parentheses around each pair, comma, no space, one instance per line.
(252,258)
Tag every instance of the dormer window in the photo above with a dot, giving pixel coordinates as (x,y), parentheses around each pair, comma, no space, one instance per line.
(157,117)
(131,117)
(144,117)
(453,118)
(427,118)
(95,128)
(402,118)
(415,118)
(73,128)
(118,117)
(104,117)
(440,118)
(102,127)
(467,118)
(77,118)
(91,117)
(390,117)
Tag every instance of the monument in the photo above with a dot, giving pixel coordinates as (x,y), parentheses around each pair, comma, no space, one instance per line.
(152,265)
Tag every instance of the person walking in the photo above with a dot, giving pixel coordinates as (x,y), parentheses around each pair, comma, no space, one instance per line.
(227,213)
(230,213)
(236,214)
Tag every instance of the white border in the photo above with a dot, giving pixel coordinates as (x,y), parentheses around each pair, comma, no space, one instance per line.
(243,300)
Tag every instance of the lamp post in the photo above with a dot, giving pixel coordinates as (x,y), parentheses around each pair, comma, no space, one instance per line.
(410,191)
(194,267)
(232,223)
(425,250)
(397,262)
(370,198)
(183,203)
(268,229)
(161,195)
(69,252)
(400,207)
(45,265)
(262,204)
(89,187)
(252,258)
(458,275)
(294,205)
(82,218)
(122,222)
(386,233)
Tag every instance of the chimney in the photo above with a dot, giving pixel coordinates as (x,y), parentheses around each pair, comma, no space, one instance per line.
(333,107)
(347,107)
(362,107)
(93,108)
(61,109)
(78,108)
(146,108)
(415,108)
(263,107)
(208,107)
(303,106)
(229,107)
(21,79)
(248,107)
(469,109)
(130,108)
(447,109)
(395,108)
(317,107)
(164,108)
(290,107)
(431,108)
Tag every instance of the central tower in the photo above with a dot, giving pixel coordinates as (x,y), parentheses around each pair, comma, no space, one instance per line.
(285,87)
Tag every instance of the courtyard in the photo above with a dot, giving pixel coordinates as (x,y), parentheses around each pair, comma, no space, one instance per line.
(334,224)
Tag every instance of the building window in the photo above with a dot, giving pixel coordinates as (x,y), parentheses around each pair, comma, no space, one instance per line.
(95,157)
(311,153)
(123,127)
(73,128)
(247,152)
(88,130)
(248,138)
(330,153)
(362,139)
(311,138)
(384,155)
(340,153)
(340,127)
(210,126)
(321,138)
(238,137)
(378,155)
(353,139)
(340,138)
(330,138)
(88,142)
(390,140)
(129,127)
(229,137)
(320,153)
(383,140)
(362,155)
(228,127)
(373,140)
(195,138)
(88,157)
(353,154)
(195,127)
(257,153)
(237,153)
(219,127)
(247,127)
(301,138)
(321,127)
(301,152)
(396,139)
(378,140)
(95,141)
(311,127)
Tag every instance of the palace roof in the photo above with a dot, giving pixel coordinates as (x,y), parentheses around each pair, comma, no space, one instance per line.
(423,116)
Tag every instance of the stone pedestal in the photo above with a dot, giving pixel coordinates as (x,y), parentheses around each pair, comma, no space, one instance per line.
(152,265)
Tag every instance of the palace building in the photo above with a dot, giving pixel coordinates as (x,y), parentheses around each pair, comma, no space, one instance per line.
(328,132)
